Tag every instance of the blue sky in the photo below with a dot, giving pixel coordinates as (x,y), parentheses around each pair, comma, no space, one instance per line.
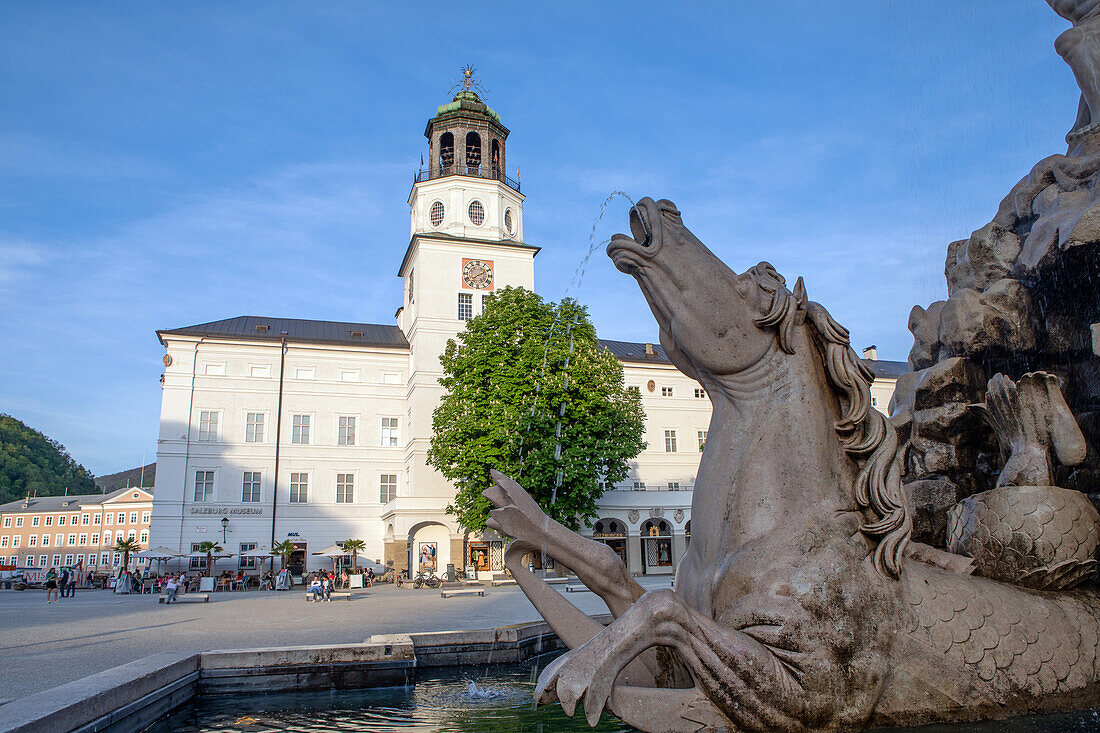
(168,164)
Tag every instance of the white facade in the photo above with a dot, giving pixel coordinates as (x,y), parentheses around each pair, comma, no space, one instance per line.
(352,406)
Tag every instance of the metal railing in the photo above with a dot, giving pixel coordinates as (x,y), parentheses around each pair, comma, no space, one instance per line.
(477,171)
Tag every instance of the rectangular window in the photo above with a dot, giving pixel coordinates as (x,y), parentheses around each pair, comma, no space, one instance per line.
(700,393)
(145,517)
(70,540)
(42,560)
(204,489)
(56,560)
(116,558)
(49,521)
(80,559)
(254,427)
(389,432)
(122,515)
(144,536)
(96,519)
(68,559)
(346,431)
(16,540)
(702,434)
(108,518)
(387,487)
(93,540)
(345,488)
(197,563)
(32,541)
(131,535)
(30,561)
(34,521)
(45,540)
(639,485)
(19,521)
(83,542)
(299,487)
(104,558)
(247,563)
(250,488)
(4,541)
(208,425)
(7,521)
(59,539)
(85,519)
(465,306)
(133,517)
(670,441)
(299,429)
(666,391)
(61,520)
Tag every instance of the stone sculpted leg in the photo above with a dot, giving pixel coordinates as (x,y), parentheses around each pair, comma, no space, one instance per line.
(596,565)
(756,686)
(1080,47)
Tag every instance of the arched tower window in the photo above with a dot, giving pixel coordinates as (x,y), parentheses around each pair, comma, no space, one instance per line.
(473,150)
(496,157)
(446,151)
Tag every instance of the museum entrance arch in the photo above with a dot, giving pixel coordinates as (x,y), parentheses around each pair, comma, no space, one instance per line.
(429,548)
(656,542)
(611,532)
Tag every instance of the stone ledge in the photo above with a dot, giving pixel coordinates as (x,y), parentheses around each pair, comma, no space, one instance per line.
(107,698)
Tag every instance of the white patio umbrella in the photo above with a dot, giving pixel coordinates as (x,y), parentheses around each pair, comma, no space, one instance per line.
(214,558)
(160,554)
(263,551)
(334,552)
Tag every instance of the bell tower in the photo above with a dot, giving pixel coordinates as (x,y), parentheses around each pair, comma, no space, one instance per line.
(466,242)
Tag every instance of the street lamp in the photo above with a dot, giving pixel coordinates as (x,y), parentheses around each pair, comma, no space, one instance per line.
(225,523)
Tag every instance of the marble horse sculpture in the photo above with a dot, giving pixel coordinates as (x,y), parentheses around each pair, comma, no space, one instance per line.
(798,605)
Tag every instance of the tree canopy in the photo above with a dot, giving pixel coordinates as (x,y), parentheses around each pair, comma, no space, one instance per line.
(30,462)
(531,394)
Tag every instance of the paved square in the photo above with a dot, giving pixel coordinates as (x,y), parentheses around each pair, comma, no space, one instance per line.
(47,645)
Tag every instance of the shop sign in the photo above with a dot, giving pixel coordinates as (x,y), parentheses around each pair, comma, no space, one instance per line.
(608,535)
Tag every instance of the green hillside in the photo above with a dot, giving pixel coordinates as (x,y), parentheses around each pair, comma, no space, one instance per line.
(30,462)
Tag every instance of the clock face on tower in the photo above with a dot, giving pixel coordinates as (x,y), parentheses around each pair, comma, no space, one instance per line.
(477,274)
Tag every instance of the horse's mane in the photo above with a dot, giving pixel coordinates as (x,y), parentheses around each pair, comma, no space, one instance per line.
(866,435)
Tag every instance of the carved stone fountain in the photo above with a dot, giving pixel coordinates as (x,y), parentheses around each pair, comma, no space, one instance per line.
(804,601)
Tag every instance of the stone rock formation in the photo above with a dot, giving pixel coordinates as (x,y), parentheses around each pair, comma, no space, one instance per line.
(1023,292)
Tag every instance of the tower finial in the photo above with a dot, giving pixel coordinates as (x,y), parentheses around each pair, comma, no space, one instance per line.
(467,82)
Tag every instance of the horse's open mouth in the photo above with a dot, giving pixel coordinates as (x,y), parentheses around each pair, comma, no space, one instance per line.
(624,250)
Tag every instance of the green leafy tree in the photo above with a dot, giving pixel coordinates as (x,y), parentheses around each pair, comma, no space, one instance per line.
(31,463)
(354,547)
(125,547)
(518,370)
(283,549)
(211,549)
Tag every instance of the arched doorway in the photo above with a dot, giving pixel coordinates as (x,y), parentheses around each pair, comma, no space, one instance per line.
(656,542)
(611,532)
(429,548)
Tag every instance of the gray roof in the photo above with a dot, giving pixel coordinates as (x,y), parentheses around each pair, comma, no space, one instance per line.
(296,330)
(60,503)
(632,352)
(887,369)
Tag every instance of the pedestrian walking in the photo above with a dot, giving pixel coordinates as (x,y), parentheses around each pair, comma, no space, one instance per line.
(51,586)
(63,581)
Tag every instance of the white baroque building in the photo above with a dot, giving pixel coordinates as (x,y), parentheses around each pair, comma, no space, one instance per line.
(317,431)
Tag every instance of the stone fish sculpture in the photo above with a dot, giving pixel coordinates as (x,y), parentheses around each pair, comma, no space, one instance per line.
(1026,530)
(796,606)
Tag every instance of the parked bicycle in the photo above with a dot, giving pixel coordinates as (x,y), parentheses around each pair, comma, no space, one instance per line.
(429,579)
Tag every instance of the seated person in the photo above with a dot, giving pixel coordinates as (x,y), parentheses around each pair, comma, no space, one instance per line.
(315,590)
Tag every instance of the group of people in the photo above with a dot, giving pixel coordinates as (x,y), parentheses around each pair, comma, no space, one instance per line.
(320,586)
(65,581)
